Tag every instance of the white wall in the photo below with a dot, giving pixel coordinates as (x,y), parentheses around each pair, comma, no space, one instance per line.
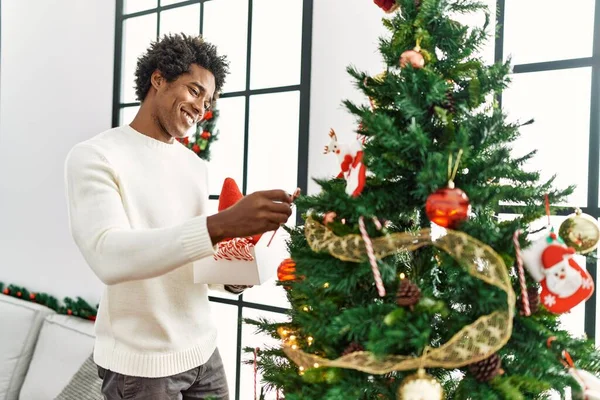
(345,32)
(56,90)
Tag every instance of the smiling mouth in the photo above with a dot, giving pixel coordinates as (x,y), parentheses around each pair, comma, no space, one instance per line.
(189,118)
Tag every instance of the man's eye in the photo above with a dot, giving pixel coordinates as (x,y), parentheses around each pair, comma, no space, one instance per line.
(194,92)
(207,106)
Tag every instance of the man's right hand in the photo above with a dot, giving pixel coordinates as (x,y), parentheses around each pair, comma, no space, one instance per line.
(256,213)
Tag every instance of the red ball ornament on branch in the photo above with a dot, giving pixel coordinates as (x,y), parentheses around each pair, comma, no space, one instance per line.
(6,291)
(196,149)
(448,207)
(389,6)
(207,116)
(286,271)
(412,57)
(205,135)
(32,296)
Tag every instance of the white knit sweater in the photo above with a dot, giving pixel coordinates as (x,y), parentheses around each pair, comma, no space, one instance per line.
(137,212)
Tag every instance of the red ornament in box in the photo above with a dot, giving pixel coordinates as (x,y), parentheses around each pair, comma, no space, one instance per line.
(448,207)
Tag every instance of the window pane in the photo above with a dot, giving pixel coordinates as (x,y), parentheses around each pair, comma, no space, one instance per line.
(267,293)
(227,152)
(559,101)
(225,317)
(252,339)
(276,43)
(273,143)
(561,32)
(127,115)
(131,6)
(167,2)
(138,33)
(181,20)
(231,38)
(478,20)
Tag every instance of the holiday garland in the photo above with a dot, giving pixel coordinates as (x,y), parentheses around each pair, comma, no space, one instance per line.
(78,308)
(205,134)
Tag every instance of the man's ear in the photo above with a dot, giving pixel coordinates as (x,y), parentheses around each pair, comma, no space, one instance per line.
(157,79)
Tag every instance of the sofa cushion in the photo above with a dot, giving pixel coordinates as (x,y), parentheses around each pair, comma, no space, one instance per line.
(21,323)
(63,345)
(85,384)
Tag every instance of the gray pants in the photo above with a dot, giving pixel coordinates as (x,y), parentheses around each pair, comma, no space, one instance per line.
(207,381)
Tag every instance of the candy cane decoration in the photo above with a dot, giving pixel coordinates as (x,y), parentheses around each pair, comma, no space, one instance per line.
(255,370)
(372,259)
(524,295)
(294,197)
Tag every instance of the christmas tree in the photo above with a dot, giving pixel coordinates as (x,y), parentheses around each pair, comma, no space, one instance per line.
(206,133)
(403,281)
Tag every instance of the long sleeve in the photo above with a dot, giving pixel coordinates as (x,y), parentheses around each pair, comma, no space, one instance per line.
(101,229)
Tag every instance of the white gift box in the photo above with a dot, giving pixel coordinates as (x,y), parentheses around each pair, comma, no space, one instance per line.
(264,267)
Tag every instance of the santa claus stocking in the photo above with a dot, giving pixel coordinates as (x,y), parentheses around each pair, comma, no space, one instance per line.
(564,282)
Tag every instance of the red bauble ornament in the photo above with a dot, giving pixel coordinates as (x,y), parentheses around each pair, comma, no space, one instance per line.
(69,312)
(387,5)
(448,207)
(205,135)
(32,296)
(207,116)
(286,270)
(196,148)
(412,57)
(6,291)
(19,294)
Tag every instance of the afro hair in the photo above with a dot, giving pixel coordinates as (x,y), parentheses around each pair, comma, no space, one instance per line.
(173,55)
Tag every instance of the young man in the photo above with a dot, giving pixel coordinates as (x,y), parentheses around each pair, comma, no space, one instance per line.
(137,207)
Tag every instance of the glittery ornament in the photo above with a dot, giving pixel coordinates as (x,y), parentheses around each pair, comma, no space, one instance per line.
(420,386)
(581,232)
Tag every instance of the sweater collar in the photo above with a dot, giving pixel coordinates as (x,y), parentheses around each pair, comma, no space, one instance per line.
(147,140)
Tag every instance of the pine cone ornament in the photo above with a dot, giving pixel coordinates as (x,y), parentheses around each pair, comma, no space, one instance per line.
(352,348)
(534,300)
(408,294)
(486,370)
(450,103)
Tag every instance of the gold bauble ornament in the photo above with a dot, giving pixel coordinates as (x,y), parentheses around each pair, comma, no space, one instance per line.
(420,386)
(580,231)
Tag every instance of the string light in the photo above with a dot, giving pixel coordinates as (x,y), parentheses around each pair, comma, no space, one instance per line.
(305,308)
(316,365)
(326,285)
(310,340)
(402,275)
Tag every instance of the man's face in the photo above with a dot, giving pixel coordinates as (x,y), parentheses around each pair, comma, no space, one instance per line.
(182,103)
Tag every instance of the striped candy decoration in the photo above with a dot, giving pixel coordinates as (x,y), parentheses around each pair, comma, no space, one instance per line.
(371,254)
(237,249)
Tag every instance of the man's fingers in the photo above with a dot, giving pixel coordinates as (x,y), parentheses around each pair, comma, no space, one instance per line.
(277,195)
(277,218)
(280,208)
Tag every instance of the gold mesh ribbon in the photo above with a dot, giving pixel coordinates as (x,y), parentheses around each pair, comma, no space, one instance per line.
(472,343)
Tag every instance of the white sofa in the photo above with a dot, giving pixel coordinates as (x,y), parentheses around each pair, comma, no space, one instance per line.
(40,350)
